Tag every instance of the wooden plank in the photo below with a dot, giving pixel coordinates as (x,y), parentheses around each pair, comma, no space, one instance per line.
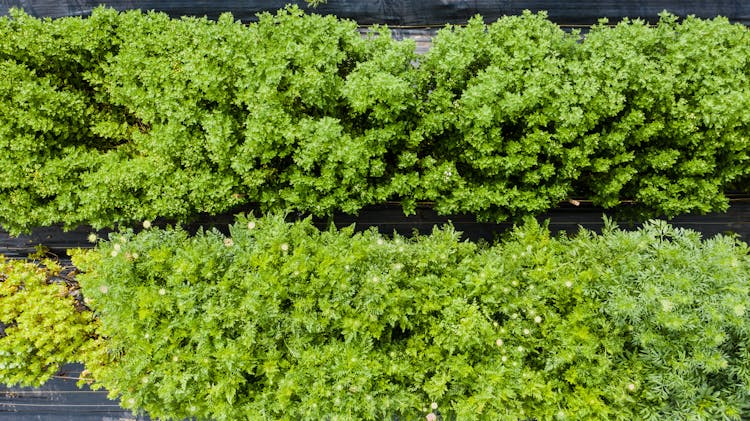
(408,12)
(389,218)
(61,400)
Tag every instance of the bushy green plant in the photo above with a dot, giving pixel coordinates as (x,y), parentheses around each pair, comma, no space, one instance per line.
(128,116)
(43,324)
(672,129)
(283,321)
(502,130)
(189,116)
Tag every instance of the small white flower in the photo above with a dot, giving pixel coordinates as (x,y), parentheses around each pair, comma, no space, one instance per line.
(117,247)
(103,289)
(667,306)
(113,253)
(174,358)
(526,331)
(131,401)
(228,242)
(146,336)
(251,225)
(514,316)
(537,319)
(631,387)
(448,173)
(134,255)
(568,284)
(499,342)
(504,358)
(284,247)
(434,405)
(495,324)
(380,241)
(514,283)
(147,224)
(93,238)
(162,291)
(431,416)
(144,380)
(520,349)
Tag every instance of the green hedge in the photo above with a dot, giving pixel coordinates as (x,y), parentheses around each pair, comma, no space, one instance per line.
(283,321)
(43,324)
(122,117)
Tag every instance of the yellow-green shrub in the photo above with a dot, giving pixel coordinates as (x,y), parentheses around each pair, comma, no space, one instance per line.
(43,324)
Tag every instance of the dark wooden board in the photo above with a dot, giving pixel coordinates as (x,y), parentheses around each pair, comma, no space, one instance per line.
(389,218)
(408,12)
(60,400)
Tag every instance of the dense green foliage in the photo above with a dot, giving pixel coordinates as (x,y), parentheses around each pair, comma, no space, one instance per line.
(283,321)
(43,326)
(522,115)
(129,116)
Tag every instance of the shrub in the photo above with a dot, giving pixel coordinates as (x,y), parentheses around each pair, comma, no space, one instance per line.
(673,113)
(43,323)
(128,116)
(502,132)
(282,321)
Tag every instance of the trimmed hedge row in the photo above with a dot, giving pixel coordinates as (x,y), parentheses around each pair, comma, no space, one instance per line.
(283,321)
(130,116)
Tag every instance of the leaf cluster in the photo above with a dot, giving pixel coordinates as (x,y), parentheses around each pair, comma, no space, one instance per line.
(128,116)
(42,323)
(282,321)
